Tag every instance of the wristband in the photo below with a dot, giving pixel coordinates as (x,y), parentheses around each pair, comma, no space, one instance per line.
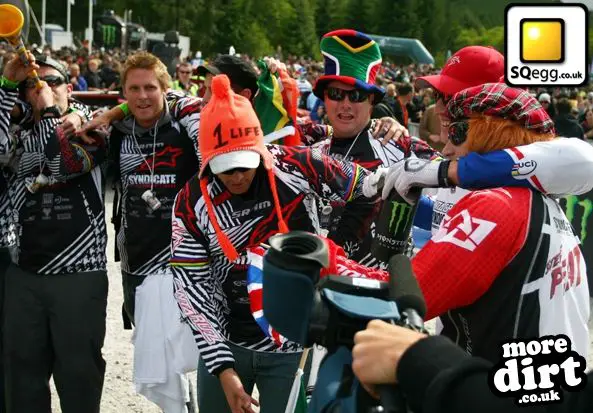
(443,175)
(8,84)
(50,112)
(124,108)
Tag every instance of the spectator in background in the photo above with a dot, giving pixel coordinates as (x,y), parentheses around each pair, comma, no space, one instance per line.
(546,101)
(92,76)
(390,97)
(430,128)
(78,82)
(589,101)
(587,123)
(109,76)
(581,102)
(405,93)
(183,81)
(387,106)
(565,123)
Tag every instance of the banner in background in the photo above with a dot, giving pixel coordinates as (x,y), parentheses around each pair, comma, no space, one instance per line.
(579,211)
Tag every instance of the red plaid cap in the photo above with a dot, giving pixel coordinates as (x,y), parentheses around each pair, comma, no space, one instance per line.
(502,101)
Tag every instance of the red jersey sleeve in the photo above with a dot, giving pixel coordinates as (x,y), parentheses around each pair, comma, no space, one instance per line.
(478,238)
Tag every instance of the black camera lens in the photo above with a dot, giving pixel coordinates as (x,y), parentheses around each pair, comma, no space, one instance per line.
(299,251)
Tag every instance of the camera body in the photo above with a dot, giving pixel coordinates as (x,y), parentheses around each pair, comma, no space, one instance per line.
(328,312)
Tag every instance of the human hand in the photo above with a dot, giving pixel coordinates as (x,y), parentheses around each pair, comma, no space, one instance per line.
(238,399)
(388,129)
(41,98)
(70,123)
(411,173)
(16,71)
(101,122)
(377,352)
(371,185)
(274,65)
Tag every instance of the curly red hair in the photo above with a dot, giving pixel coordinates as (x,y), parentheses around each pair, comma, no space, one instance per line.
(487,134)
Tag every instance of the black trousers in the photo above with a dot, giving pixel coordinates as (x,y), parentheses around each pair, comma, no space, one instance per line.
(129,284)
(54,325)
(4,264)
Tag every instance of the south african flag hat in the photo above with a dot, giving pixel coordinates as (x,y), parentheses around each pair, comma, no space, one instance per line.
(350,57)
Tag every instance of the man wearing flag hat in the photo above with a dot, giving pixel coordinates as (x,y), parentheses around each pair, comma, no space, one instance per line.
(244,193)
(348,89)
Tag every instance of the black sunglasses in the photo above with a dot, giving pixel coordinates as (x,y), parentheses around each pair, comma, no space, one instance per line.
(354,95)
(458,132)
(185,72)
(52,81)
(232,171)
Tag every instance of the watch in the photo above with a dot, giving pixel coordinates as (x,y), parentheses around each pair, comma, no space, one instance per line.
(51,112)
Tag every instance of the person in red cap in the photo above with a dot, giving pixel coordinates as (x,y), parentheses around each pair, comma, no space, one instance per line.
(244,193)
(563,165)
(505,263)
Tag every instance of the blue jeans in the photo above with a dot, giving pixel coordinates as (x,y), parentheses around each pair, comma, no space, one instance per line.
(272,372)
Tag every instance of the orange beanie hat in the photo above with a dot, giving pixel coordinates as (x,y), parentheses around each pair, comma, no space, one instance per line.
(230,136)
(228,123)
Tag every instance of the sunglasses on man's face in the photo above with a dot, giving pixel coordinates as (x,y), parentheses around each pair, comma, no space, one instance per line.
(458,132)
(184,72)
(354,95)
(232,171)
(52,81)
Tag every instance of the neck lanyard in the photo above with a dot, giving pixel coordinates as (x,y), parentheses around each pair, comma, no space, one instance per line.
(150,168)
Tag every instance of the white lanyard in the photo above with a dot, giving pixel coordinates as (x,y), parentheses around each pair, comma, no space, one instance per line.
(150,169)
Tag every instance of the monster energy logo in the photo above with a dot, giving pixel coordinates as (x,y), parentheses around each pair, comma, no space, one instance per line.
(109,32)
(572,202)
(401,213)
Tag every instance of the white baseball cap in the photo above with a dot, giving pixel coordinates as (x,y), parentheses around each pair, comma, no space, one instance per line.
(236,159)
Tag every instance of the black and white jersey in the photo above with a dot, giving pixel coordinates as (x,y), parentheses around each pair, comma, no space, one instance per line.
(161,160)
(59,225)
(371,154)
(211,290)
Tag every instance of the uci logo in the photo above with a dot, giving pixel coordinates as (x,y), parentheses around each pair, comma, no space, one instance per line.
(524,168)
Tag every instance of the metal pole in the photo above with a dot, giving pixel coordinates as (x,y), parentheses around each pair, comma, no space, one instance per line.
(177,17)
(34,18)
(90,29)
(43,22)
(68,5)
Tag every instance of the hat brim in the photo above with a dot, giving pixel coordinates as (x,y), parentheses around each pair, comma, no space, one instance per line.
(323,81)
(231,160)
(442,83)
(203,70)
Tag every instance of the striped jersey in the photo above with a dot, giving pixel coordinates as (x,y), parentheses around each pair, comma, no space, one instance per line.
(211,290)
(371,154)
(60,227)
(161,160)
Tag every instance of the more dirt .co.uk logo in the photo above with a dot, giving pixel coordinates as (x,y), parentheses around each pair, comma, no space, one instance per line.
(536,372)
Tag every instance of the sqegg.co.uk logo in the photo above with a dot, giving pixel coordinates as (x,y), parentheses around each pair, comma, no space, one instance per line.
(546,45)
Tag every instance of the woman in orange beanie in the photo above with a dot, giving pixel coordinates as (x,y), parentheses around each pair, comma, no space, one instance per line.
(244,193)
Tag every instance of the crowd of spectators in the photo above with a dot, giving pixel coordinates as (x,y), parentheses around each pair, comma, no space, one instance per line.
(571,108)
